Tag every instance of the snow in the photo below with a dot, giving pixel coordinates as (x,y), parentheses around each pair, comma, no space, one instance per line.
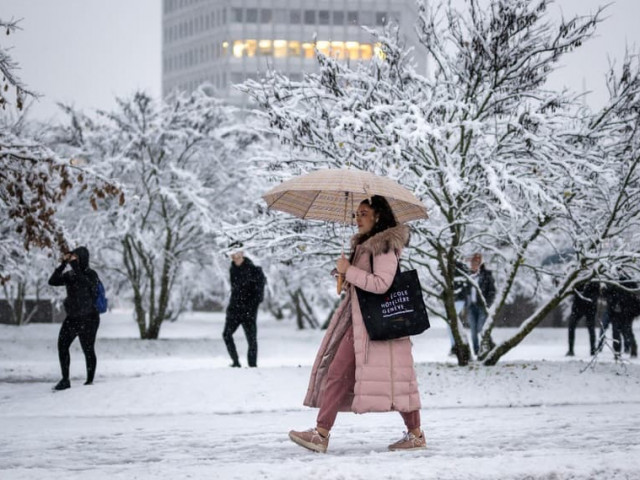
(173,408)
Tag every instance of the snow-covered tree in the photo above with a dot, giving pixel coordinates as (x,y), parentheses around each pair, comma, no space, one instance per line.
(33,179)
(507,167)
(181,164)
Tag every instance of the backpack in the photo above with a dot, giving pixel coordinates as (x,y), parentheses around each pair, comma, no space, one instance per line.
(101,303)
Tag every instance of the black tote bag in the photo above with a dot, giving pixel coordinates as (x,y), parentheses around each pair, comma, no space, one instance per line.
(399,312)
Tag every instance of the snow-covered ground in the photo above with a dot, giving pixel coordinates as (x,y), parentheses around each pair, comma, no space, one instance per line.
(172,409)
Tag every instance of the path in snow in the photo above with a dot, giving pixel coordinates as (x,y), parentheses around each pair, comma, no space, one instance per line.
(559,442)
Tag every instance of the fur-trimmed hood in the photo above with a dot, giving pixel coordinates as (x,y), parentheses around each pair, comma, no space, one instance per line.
(394,238)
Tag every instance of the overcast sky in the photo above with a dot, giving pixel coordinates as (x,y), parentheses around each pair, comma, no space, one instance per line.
(87,52)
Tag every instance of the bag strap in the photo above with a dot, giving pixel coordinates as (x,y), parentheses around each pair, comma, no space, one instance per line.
(397,258)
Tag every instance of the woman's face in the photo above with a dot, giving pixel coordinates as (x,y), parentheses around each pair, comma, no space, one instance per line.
(365,218)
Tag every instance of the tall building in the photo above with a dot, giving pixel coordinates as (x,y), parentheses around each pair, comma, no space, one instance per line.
(226,42)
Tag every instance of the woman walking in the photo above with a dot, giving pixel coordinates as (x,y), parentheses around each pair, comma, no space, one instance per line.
(352,372)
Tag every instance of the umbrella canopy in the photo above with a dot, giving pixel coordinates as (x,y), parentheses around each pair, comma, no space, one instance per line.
(327,194)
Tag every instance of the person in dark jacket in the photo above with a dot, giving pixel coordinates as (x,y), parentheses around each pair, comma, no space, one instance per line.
(622,307)
(476,310)
(585,304)
(82,318)
(247,290)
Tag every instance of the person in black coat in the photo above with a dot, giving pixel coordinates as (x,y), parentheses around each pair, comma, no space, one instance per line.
(247,291)
(623,306)
(476,310)
(82,318)
(585,304)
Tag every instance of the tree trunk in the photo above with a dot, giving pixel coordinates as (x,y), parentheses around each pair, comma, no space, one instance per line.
(527,326)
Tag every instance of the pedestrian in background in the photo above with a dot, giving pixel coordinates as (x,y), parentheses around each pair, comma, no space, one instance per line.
(585,304)
(247,292)
(82,318)
(476,309)
(622,307)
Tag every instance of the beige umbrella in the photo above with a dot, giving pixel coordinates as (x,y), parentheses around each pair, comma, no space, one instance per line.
(328,194)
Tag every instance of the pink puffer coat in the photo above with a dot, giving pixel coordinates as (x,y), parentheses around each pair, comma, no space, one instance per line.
(385,377)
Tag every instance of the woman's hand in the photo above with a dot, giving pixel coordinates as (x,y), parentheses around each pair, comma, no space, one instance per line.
(342,265)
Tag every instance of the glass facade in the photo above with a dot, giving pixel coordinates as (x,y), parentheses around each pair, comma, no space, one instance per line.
(225,42)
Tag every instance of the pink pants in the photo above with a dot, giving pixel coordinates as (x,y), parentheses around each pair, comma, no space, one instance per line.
(340,380)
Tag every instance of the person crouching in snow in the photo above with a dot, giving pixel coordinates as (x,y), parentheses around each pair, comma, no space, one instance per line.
(351,372)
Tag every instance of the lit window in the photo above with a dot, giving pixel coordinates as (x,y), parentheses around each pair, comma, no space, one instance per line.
(378,52)
(308,50)
(323,46)
(251,48)
(323,17)
(295,49)
(238,48)
(265,48)
(338,50)
(366,51)
(309,17)
(353,50)
(225,49)
(279,48)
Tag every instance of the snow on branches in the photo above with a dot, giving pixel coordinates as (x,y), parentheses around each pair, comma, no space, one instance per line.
(180,161)
(506,166)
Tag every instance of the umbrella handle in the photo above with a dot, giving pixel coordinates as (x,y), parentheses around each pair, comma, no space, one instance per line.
(339,285)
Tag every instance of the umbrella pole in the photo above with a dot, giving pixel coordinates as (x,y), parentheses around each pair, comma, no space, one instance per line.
(344,227)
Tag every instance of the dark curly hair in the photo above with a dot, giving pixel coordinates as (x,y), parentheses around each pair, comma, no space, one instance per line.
(386,219)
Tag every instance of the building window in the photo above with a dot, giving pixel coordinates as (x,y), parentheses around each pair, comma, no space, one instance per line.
(295,17)
(308,50)
(236,15)
(323,17)
(251,46)
(352,18)
(309,17)
(265,15)
(251,15)
(381,18)
(294,49)
(279,48)
(338,18)
(366,18)
(280,15)
(323,47)
(265,48)
(366,51)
